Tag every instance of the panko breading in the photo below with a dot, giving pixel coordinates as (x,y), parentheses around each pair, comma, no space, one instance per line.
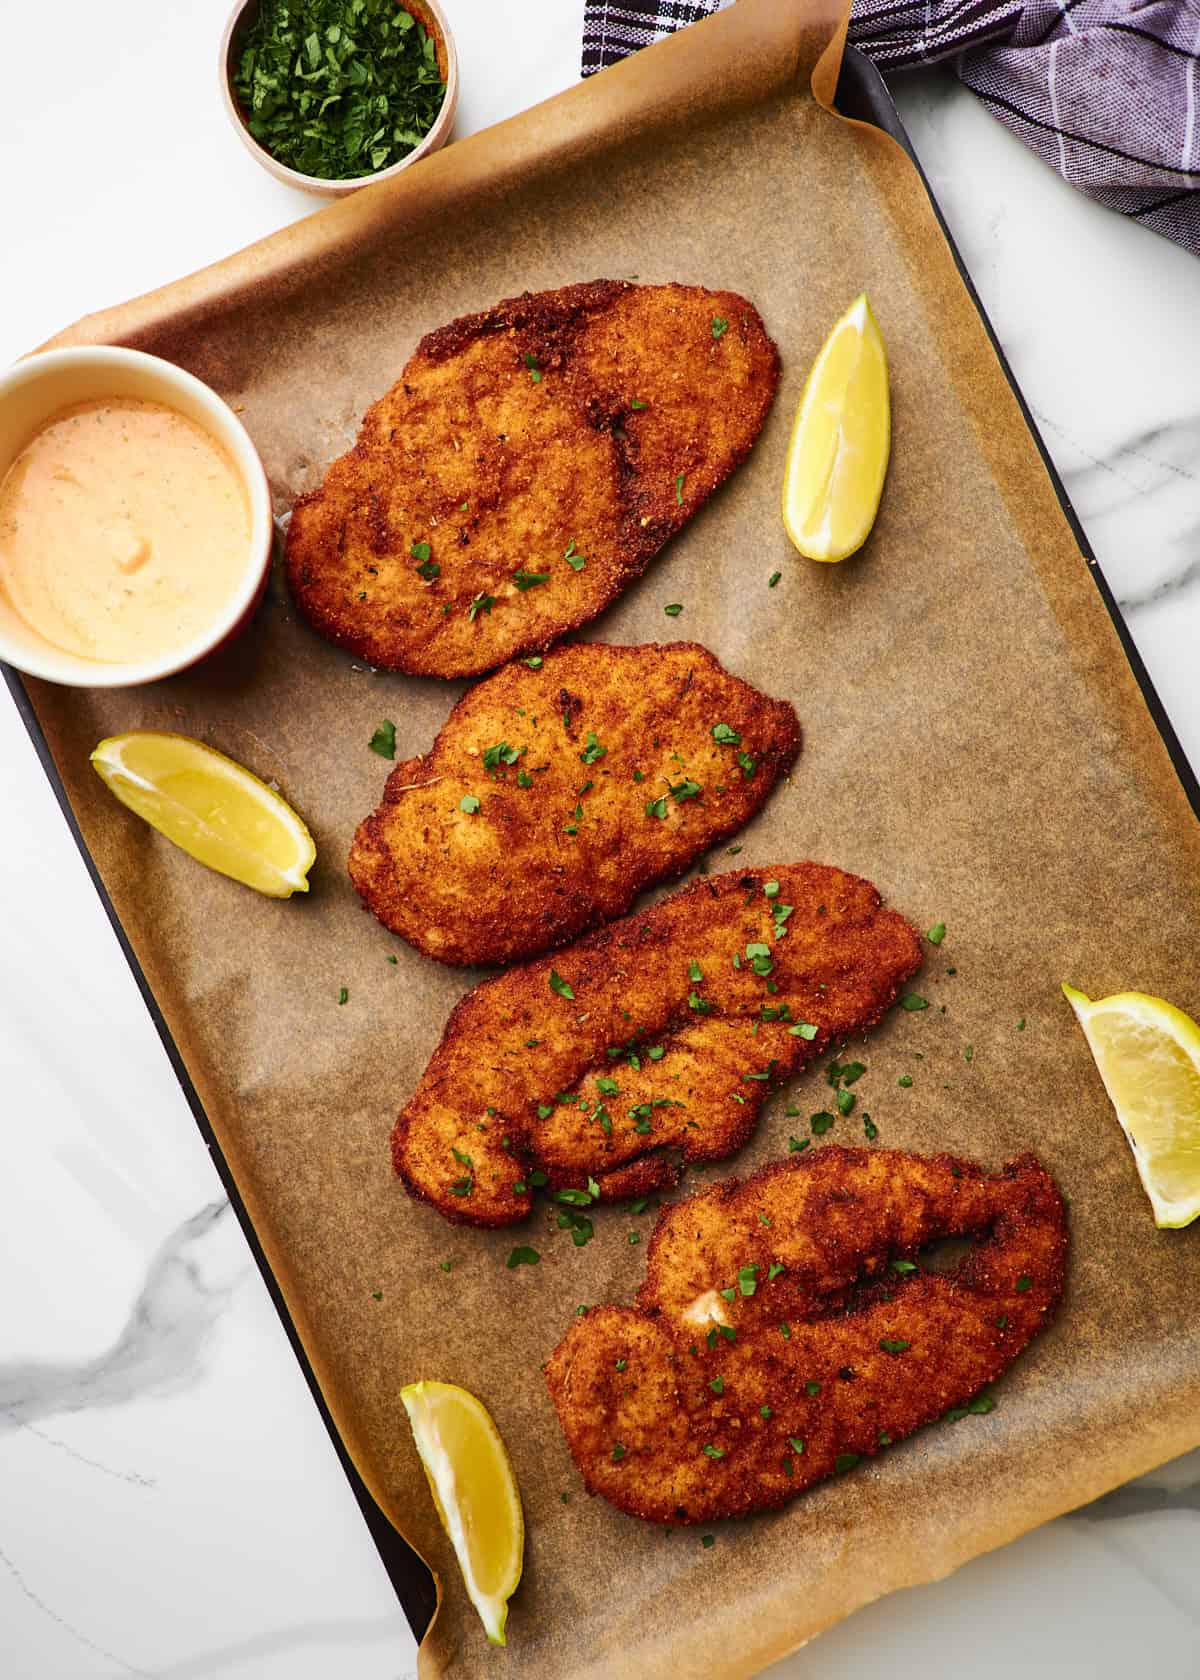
(786,1329)
(525,468)
(653,1040)
(595,775)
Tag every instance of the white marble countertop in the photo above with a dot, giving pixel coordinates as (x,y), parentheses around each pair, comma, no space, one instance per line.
(170,1505)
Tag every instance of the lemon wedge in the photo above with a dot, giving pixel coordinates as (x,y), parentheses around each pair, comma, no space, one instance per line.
(1148,1054)
(841,441)
(211,807)
(471,1478)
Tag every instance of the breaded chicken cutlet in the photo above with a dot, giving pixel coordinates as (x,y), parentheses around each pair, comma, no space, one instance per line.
(653,1040)
(526,466)
(551,797)
(786,1328)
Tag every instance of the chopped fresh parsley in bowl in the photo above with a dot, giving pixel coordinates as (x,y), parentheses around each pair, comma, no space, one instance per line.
(332,94)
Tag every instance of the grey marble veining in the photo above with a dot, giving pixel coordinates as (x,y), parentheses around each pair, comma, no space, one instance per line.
(159,1348)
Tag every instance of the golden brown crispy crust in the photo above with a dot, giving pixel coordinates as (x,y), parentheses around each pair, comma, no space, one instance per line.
(564,761)
(503,473)
(870,1353)
(664,1050)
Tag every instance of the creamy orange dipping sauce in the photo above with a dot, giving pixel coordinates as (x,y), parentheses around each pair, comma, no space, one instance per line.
(124,530)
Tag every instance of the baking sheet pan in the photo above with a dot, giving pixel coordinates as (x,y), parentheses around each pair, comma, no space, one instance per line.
(976,744)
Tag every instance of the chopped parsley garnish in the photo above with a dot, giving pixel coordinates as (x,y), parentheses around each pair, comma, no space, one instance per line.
(894,1344)
(1023,1283)
(607,1087)
(845,1102)
(903,1266)
(785,1330)
(535,372)
(1002,1322)
(592,750)
(383,741)
(719,326)
(912,1002)
(524,779)
(870,1129)
(774,1270)
(636,402)
(695,972)
(796,1444)
(759,958)
(748,1279)
(656,1053)
(634,1237)
(979,1407)
(724,736)
(482,603)
(618,1452)
(773,579)
(574,559)
(500,753)
(420,551)
(679,488)
(392,958)
(469,803)
(813,1387)
(559,985)
(574,1198)
(1021,1024)
(534,662)
(821,1123)
(713,1452)
(936,933)
(580,1226)
(686,789)
(673,609)
(699,1004)
(523,1256)
(343,995)
(462,1186)
(765,1412)
(904,1081)
(657,808)
(708,1541)
(797,1144)
(529,580)
(844,1462)
(620,1364)
(748,768)
(717,1385)
(803,1029)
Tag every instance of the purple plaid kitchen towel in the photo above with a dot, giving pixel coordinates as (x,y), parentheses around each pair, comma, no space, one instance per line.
(1106,91)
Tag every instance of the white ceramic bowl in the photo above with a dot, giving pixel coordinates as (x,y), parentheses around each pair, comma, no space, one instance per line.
(42,385)
(429,14)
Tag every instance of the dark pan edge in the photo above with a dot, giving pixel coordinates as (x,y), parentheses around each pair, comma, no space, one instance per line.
(863,94)
(411,1580)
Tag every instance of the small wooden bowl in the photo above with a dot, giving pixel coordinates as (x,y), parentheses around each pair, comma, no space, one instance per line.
(427,13)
